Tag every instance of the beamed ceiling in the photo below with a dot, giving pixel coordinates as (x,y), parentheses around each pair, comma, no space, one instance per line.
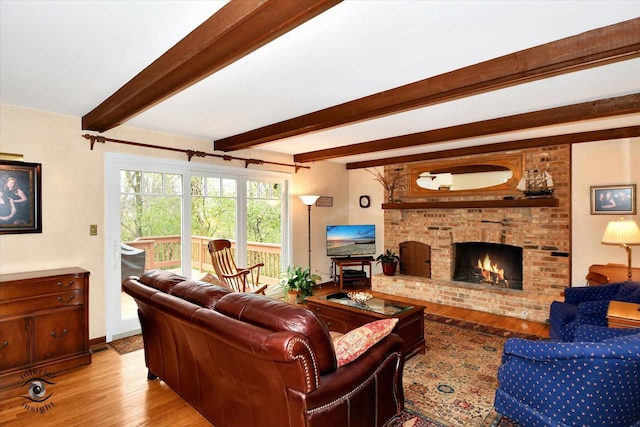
(365,83)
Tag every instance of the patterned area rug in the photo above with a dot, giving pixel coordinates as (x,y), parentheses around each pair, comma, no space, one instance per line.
(455,381)
(409,418)
(452,385)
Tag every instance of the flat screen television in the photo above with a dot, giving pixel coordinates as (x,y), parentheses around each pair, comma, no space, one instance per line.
(351,240)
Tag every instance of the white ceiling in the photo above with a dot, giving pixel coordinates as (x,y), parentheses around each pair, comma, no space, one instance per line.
(69,56)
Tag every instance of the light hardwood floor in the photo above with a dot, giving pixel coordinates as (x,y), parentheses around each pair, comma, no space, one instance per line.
(111,392)
(114,391)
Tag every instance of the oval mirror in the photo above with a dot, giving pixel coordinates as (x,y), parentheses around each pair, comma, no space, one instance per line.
(485,176)
(490,173)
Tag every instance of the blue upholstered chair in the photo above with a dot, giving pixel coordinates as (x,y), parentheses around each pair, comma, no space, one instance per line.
(580,383)
(587,306)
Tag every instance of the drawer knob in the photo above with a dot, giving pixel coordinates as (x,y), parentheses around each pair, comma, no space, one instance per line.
(4,344)
(64,332)
(61,285)
(71,297)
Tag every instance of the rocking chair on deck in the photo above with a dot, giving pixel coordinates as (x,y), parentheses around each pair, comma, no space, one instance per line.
(237,279)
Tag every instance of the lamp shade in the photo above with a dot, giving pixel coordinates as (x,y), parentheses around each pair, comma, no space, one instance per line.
(309,200)
(622,232)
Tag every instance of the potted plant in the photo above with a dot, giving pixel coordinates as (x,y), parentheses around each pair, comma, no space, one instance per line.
(389,262)
(298,282)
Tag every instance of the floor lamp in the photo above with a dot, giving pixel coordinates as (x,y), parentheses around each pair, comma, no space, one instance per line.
(309,200)
(625,234)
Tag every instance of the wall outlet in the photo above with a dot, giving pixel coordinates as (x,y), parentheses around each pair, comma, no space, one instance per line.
(93,230)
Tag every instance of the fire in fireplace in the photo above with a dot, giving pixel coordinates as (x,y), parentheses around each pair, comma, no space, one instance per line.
(491,264)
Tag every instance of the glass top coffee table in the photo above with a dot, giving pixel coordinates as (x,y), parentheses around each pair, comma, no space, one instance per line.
(341,314)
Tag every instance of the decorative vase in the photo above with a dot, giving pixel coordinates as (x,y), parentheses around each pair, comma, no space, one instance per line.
(294,296)
(389,268)
(390,196)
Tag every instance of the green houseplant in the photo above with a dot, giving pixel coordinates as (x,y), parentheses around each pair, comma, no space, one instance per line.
(298,281)
(389,262)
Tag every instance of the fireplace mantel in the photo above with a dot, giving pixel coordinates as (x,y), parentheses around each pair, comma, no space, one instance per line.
(549,202)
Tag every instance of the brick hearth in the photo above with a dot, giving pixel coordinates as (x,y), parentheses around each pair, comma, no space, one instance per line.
(543,233)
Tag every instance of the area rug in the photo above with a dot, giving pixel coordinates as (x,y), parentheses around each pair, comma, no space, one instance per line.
(409,418)
(455,381)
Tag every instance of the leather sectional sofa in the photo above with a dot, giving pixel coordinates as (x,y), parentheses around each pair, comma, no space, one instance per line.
(247,360)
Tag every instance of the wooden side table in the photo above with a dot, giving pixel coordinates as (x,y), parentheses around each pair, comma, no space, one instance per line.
(623,315)
(347,281)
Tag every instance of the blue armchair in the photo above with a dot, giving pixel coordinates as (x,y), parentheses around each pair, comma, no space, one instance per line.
(587,306)
(551,383)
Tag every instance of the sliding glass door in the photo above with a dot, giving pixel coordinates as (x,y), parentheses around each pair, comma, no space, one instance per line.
(162,214)
(264,221)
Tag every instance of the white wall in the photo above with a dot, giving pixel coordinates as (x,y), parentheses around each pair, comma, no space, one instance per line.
(329,179)
(599,163)
(362,183)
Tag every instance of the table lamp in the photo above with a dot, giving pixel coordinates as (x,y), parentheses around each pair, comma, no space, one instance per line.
(624,233)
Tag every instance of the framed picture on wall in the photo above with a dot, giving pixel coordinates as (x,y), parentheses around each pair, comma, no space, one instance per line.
(613,200)
(325,201)
(20,197)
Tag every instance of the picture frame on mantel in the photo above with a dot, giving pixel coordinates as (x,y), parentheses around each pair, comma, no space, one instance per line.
(613,199)
(20,197)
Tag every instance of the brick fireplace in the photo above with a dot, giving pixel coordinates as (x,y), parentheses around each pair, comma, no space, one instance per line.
(543,233)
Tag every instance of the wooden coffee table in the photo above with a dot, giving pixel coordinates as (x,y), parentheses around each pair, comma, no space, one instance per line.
(341,314)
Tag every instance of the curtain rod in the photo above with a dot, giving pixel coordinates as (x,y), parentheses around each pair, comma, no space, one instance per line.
(191,153)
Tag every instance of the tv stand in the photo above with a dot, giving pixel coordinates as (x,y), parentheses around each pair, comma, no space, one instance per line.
(348,278)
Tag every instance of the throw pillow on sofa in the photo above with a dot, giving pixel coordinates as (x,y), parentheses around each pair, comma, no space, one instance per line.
(354,343)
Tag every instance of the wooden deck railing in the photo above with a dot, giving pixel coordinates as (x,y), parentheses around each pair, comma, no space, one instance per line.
(164,252)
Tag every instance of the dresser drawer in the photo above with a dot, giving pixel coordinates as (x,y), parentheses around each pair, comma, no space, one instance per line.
(14,290)
(335,325)
(46,302)
(58,333)
(14,343)
(333,322)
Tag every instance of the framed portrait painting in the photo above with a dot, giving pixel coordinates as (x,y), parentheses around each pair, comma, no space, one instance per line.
(20,197)
(613,200)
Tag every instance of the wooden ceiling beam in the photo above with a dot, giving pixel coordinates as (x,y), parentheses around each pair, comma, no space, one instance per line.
(590,49)
(544,141)
(237,29)
(602,108)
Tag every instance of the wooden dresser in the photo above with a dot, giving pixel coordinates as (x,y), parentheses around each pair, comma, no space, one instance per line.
(44,323)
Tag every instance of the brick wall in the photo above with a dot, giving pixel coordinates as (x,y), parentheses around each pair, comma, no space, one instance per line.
(543,233)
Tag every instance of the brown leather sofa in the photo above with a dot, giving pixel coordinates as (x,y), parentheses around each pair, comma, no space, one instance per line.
(247,360)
